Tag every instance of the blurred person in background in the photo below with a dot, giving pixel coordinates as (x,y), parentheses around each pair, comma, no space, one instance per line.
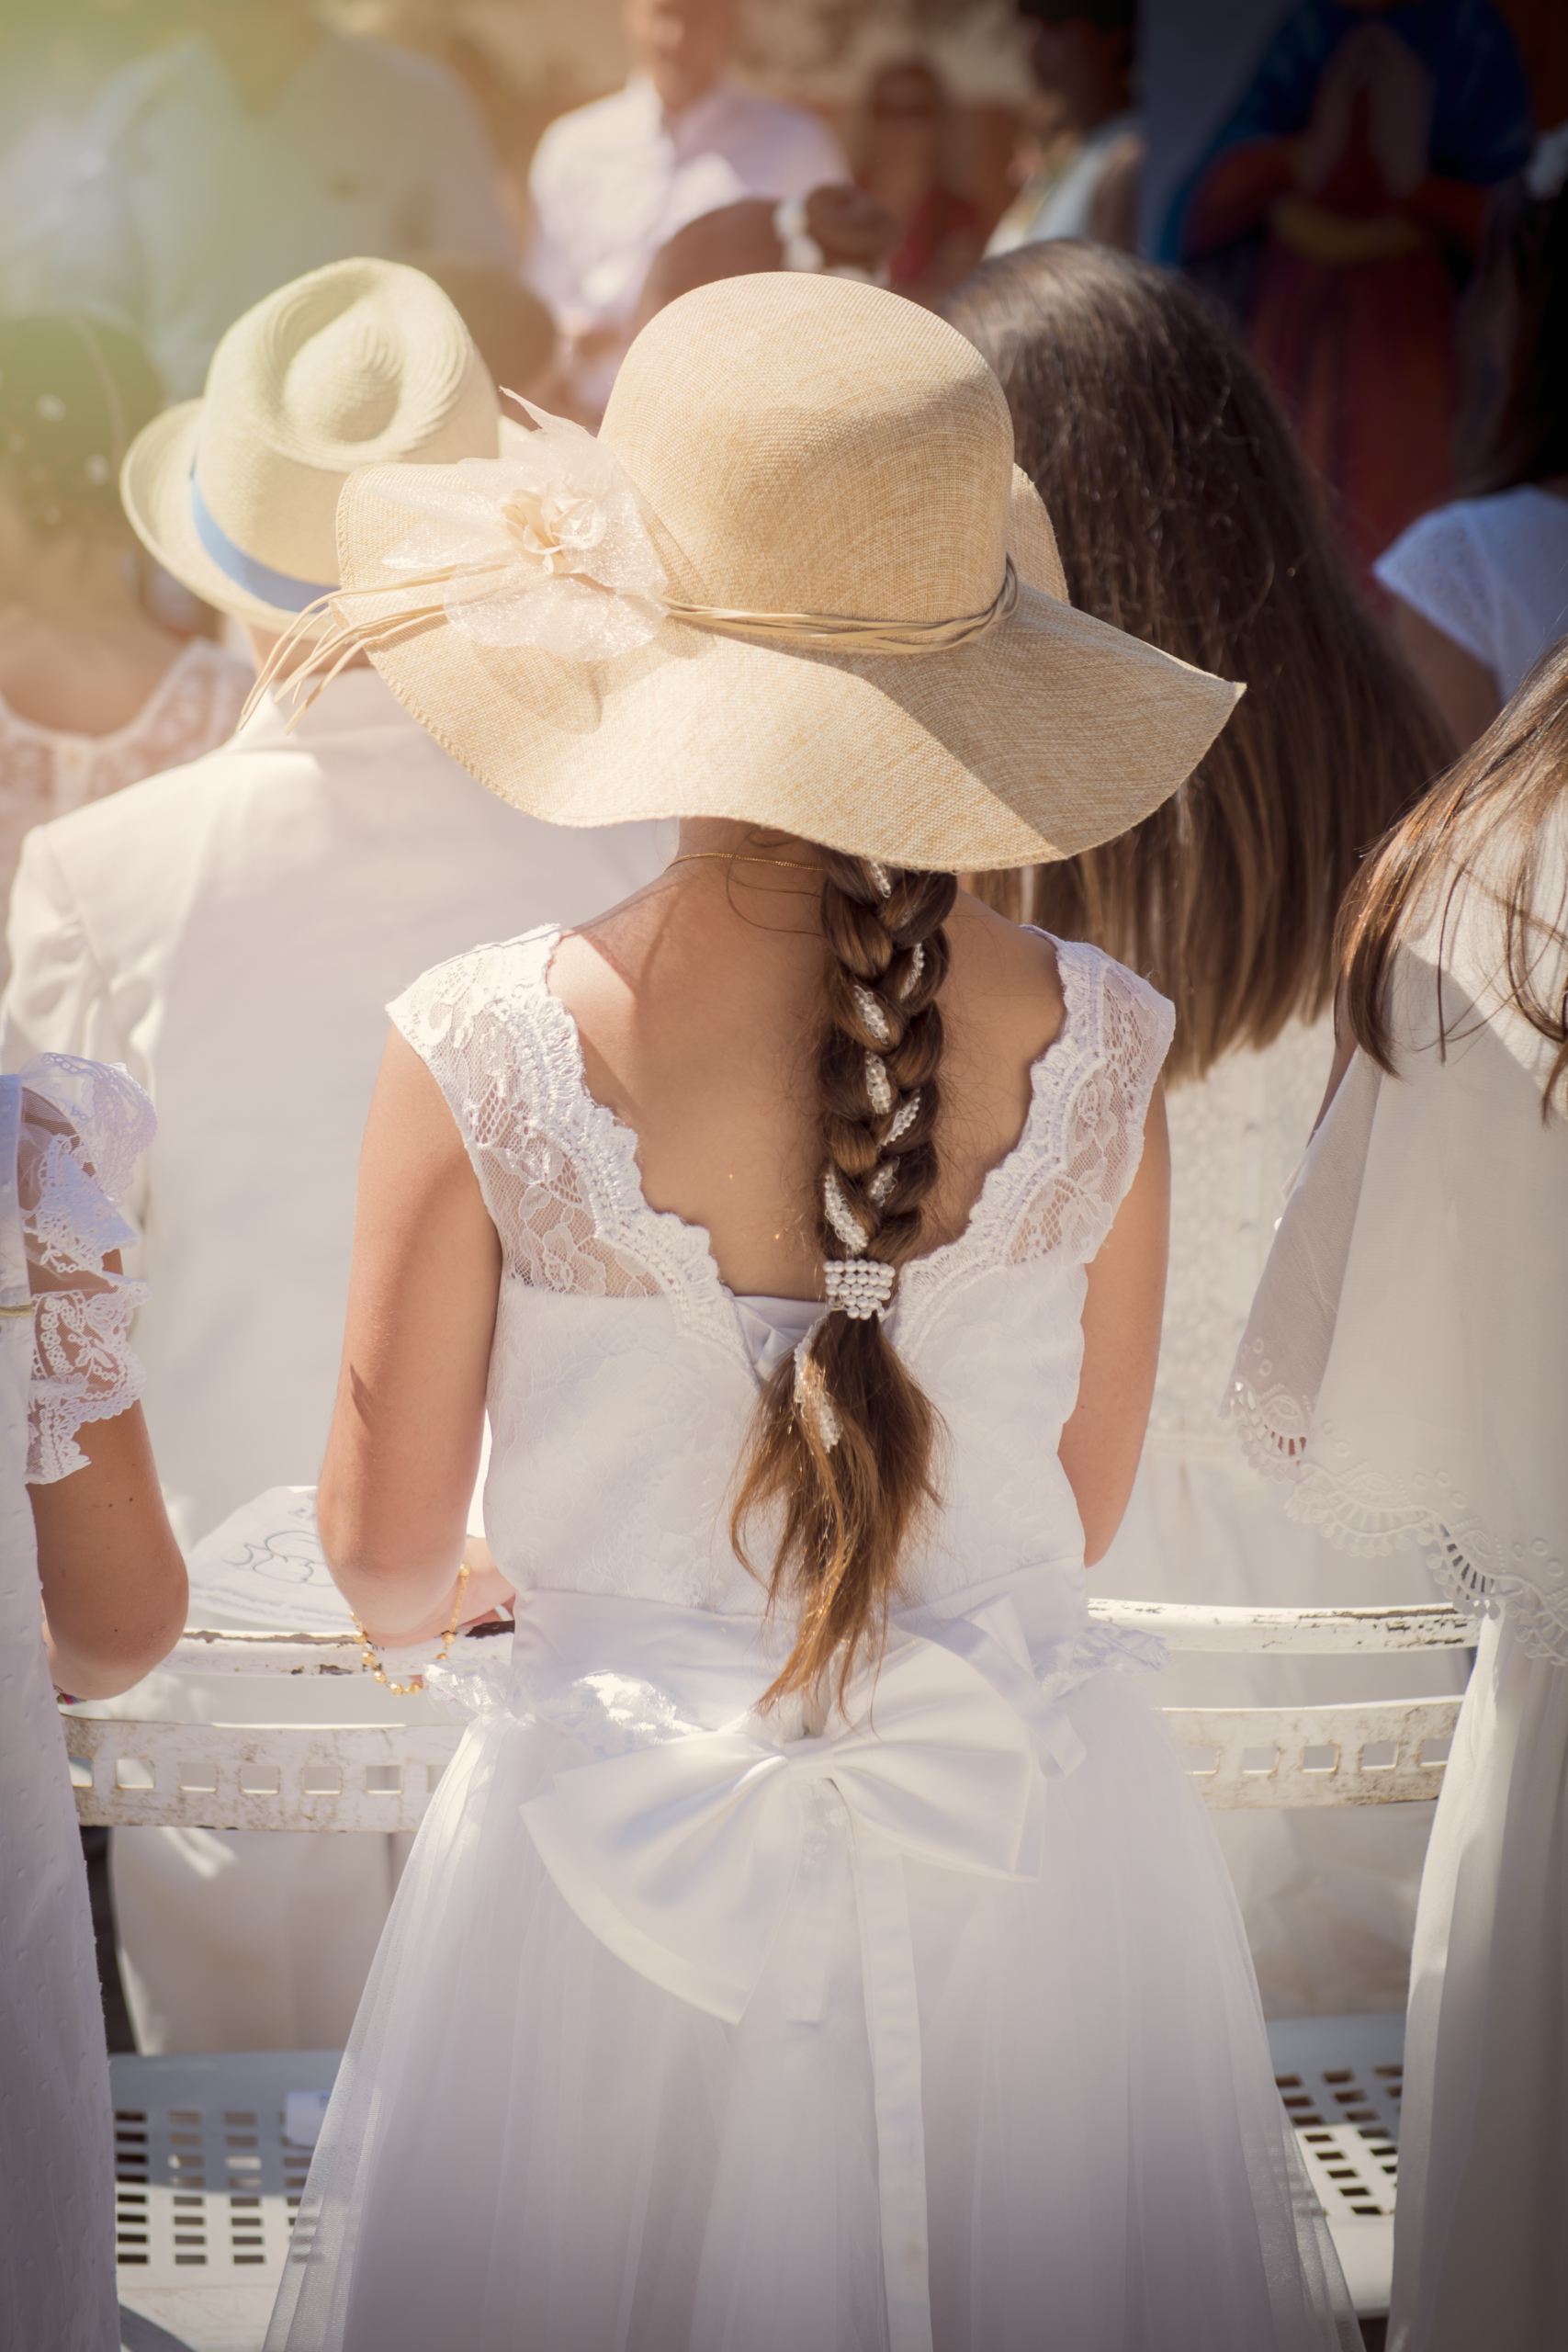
(514,333)
(1339,209)
(1185,514)
(613,181)
(94,694)
(54,56)
(842,231)
(1479,588)
(259,148)
(904,142)
(231,933)
(1082,53)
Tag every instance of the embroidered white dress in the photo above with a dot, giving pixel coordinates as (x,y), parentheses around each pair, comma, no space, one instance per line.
(1404,1374)
(70,1132)
(691,2033)
(1328,1894)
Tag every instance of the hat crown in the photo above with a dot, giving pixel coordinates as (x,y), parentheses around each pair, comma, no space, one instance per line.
(362,363)
(806,444)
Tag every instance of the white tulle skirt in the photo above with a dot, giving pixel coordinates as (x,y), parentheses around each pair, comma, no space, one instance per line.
(533,2145)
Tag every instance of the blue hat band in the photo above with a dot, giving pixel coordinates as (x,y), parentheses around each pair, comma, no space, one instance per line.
(277,588)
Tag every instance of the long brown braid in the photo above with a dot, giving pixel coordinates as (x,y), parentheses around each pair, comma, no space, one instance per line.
(844,1444)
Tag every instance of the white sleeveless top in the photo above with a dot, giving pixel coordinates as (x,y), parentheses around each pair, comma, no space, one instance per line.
(624,1372)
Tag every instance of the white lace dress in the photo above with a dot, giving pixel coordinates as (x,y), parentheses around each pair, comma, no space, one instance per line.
(1404,1374)
(69,1133)
(45,772)
(1328,1896)
(691,2034)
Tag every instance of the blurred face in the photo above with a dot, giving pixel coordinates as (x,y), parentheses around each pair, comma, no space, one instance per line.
(683,46)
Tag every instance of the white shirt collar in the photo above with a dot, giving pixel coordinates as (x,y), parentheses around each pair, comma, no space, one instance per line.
(693,120)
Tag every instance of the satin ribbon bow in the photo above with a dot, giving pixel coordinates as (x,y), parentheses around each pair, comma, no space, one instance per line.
(682,1857)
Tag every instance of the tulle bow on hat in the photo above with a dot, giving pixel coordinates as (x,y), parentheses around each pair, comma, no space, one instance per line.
(528,544)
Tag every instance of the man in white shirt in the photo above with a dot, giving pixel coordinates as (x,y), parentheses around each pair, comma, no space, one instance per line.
(615,180)
(259,149)
(230,931)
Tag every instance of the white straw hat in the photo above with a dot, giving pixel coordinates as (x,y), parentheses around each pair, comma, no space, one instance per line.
(798,581)
(362,363)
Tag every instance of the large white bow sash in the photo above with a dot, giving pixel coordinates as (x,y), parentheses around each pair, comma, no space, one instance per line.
(682,1856)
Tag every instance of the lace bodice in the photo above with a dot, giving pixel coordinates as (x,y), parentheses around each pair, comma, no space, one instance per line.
(45,774)
(78,1129)
(1235,1135)
(622,1379)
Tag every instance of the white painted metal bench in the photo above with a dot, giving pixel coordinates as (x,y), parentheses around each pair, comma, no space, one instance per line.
(378,1776)
(212,2151)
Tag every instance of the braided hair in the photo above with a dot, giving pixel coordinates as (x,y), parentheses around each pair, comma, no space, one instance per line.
(844,1444)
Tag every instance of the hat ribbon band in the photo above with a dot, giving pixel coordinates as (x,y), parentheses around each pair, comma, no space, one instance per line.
(839,633)
(822,632)
(807,632)
(290,596)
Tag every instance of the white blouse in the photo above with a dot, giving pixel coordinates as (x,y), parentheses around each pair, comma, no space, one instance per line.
(1490,572)
(46,772)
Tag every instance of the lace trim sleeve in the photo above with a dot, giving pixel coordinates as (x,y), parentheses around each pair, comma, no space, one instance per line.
(82,1129)
(505,1058)
(1117,1035)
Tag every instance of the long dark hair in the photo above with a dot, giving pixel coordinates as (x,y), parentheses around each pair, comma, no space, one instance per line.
(841,1452)
(1185,514)
(1514,782)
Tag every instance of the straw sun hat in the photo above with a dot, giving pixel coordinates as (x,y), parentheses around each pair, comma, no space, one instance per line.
(362,363)
(796,581)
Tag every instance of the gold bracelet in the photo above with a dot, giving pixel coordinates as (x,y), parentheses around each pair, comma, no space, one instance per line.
(378,1672)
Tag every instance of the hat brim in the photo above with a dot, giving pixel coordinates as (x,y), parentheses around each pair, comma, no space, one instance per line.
(154,490)
(1052,732)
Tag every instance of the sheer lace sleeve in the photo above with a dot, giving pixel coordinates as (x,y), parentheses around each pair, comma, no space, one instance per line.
(82,1128)
(505,1056)
(1404,1363)
(1117,1035)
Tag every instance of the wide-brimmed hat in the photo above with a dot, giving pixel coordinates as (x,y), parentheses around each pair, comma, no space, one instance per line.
(362,363)
(797,581)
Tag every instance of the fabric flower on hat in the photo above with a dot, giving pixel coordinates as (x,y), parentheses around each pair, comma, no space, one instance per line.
(545,547)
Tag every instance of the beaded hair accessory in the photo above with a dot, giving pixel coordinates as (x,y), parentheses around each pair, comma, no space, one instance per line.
(856,1284)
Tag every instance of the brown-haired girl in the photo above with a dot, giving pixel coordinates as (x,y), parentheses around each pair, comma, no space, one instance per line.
(1185,514)
(814,1943)
(1404,1370)
(95,692)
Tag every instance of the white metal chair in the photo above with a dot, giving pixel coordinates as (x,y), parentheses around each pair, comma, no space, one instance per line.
(211,2152)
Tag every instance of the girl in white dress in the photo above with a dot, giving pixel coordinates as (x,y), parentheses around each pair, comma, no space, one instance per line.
(81,1514)
(815,1942)
(1185,514)
(1404,1370)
